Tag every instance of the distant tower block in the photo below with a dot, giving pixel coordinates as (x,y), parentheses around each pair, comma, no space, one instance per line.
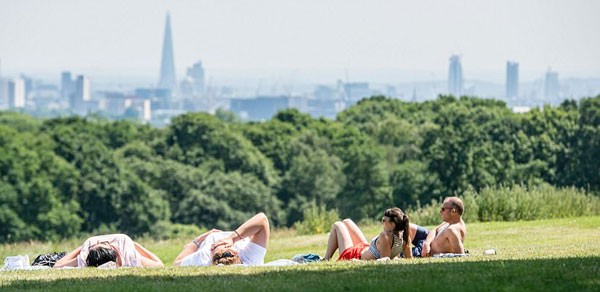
(167,78)
(455,76)
(512,79)
(551,86)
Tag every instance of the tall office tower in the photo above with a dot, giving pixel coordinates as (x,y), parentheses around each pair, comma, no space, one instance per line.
(167,66)
(82,88)
(512,79)
(551,86)
(16,93)
(455,76)
(66,85)
(196,73)
(3,91)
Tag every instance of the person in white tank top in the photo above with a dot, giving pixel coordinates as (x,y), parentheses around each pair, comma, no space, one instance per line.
(246,245)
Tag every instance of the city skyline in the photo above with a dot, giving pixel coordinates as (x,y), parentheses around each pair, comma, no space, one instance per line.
(389,41)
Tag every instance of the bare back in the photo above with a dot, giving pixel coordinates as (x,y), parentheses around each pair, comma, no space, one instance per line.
(449,238)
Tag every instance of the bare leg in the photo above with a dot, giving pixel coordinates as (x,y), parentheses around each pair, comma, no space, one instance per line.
(339,238)
(355,233)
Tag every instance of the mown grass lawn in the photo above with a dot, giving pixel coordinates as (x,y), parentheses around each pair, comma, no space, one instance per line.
(562,254)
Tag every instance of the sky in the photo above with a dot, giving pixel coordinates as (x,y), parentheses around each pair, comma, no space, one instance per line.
(413,38)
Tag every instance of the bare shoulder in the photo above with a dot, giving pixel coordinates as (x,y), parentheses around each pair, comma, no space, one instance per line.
(386,236)
(442,226)
(458,230)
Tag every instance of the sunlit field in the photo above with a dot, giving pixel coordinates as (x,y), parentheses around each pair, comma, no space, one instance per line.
(559,254)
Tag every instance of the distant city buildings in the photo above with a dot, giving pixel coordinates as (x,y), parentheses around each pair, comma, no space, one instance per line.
(169,97)
(167,79)
(512,80)
(355,91)
(551,86)
(455,77)
(259,108)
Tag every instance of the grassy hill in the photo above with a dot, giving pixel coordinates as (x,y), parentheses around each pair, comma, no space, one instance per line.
(561,254)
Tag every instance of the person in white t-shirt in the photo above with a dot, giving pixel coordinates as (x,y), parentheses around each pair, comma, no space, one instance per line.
(118,248)
(245,245)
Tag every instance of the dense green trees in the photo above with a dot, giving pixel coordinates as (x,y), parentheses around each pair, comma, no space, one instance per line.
(64,176)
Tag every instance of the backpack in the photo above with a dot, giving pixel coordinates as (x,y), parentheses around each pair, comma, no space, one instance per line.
(48,259)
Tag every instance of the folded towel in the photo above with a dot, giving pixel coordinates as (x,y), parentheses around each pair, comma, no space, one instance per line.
(450,255)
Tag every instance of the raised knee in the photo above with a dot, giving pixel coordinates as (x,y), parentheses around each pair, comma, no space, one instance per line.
(337,225)
(347,220)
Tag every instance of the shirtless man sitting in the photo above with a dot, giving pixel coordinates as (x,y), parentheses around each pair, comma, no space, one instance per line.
(448,236)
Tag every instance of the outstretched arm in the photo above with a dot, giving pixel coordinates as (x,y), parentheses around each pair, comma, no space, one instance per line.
(69,260)
(257,228)
(191,247)
(149,259)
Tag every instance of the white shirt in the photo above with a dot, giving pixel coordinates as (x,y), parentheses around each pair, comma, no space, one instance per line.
(250,253)
(130,257)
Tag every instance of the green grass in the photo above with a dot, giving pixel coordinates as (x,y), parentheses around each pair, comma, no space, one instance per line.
(557,254)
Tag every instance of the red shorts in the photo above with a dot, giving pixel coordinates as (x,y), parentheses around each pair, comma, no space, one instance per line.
(353,252)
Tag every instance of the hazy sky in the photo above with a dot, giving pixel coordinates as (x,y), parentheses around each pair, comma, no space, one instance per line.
(119,35)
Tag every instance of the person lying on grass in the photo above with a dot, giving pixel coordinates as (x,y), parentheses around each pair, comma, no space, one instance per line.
(393,239)
(245,245)
(450,235)
(101,249)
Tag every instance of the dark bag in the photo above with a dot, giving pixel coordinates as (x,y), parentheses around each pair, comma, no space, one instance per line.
(48,259)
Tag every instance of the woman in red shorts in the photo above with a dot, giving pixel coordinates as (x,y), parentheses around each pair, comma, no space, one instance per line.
(393,239)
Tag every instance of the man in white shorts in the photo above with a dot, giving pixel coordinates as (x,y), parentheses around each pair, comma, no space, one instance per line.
(245,245)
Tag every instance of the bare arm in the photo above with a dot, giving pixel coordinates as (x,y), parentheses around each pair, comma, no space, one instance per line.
(455,241)
(69,260)
(406,246)
(191,248)
(257,228)
(149,259)
(426,252)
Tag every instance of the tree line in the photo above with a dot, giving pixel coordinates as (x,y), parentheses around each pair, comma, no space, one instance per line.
(62,177)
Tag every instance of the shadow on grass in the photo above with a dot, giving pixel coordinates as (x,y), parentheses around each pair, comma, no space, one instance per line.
(575,274)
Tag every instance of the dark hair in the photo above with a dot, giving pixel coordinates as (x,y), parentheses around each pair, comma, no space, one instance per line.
(226,257)
(457,204)
(99,255)
(402,222)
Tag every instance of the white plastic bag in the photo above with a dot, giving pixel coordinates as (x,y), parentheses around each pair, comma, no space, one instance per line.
(12,263)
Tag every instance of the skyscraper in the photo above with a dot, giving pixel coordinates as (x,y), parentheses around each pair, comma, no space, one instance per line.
(82,88)
(66,85)
(196,73)
(455,76)
(551,86)
(512,79)
(167,78)
(3,89)
(16,93)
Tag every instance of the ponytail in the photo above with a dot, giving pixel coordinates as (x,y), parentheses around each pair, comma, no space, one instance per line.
(406,232)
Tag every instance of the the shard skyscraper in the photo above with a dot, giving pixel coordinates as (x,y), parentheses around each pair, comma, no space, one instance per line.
(167,65)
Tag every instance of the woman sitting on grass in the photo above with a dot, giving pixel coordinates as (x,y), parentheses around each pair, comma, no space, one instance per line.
(393,239)
(101,249)
(245,245)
